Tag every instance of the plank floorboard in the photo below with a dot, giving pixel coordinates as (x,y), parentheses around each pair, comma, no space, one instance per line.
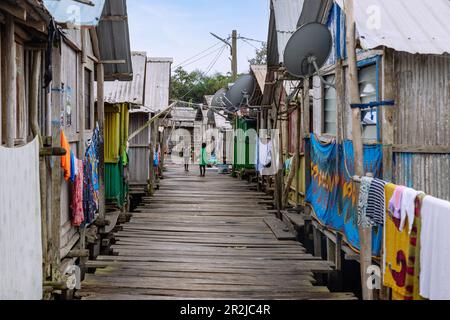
(205,238)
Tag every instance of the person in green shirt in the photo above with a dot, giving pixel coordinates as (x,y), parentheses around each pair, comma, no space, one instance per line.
(203,161)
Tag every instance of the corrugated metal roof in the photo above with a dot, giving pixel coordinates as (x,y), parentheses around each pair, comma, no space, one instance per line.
(129,91)
(157,87)
(414,26)
(114,41)
(183,114)
(284,19)
(75,12)
(315,11)
(260,72)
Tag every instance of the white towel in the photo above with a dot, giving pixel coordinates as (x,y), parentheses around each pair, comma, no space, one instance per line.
(408,206)
(435,249)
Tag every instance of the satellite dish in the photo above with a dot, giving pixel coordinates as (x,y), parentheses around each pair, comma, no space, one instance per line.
(241,93)
(219,99)
(307,50)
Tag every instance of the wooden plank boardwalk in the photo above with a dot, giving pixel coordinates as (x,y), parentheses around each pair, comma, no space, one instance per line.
(205,238)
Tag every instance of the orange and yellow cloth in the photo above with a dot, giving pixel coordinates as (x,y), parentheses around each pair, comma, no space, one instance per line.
(401,253)
(65,160)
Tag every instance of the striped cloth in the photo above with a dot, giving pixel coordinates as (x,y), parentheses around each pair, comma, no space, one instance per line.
(376,202)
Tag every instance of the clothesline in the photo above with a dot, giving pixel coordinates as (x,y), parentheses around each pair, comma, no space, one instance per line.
(415,238)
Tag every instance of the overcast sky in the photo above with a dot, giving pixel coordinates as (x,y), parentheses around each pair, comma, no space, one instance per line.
(180,29)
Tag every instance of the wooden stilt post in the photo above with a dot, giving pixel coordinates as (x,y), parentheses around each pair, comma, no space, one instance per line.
(10,82)
(101,124)
(387,127)
(307,129)
(364,233)
(298,138)
(56,125)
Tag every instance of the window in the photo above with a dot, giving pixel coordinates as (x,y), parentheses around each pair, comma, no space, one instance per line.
(368,93)
(329,108)
(87,99)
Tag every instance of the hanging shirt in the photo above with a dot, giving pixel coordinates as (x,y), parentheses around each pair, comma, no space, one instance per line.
(396,250)
(435,249)
(395,203)
(76,204)
(407,207)
(362,201)
(73,167)
(376,202)
(65,160)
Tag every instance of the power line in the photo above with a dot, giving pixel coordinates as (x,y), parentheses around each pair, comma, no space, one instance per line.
(198,54)
(250,44)
(202,57)
(250,39)
(210,66)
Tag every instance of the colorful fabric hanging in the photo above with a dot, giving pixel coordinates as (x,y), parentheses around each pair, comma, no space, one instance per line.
(77,196)
(91,178)
(401,251)
(73,167)
(65,160)
(376,202)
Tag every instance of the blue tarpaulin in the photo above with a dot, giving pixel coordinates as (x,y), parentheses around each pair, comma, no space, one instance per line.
(331,193)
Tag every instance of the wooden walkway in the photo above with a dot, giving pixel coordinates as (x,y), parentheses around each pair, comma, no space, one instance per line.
(205,238)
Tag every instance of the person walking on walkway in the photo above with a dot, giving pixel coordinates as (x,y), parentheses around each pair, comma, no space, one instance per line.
(186,155)
(203,161)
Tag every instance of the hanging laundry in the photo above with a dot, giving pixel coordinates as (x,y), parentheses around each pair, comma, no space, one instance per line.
(413,272)
(20,227)
(65,160)
(76,205)
(362,219)
(435,249)
(91,178)
(376,202)
(407,207)
(73,167)
(396,250)
(395,204)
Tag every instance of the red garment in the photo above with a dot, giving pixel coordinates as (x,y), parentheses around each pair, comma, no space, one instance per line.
(65,160)
(77,196)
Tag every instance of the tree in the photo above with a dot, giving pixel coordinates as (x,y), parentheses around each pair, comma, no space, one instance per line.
(261,55)
(193,86)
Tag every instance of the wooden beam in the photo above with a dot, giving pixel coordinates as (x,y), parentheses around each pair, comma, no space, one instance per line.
(34,93)
(95,43)
(113,61)
(387,113)
(101,123)
(420,149)
(15,11)
(10,81)
(114,18)
(40,26)
(55,230)
(364,232)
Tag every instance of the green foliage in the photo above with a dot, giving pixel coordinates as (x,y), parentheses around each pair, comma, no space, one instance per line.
(193,86)
(260,56)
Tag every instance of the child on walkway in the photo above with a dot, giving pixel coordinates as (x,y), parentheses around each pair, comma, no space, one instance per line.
(203,161)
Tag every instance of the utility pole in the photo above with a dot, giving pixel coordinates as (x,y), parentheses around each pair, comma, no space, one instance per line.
(234,63)
(233,48)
